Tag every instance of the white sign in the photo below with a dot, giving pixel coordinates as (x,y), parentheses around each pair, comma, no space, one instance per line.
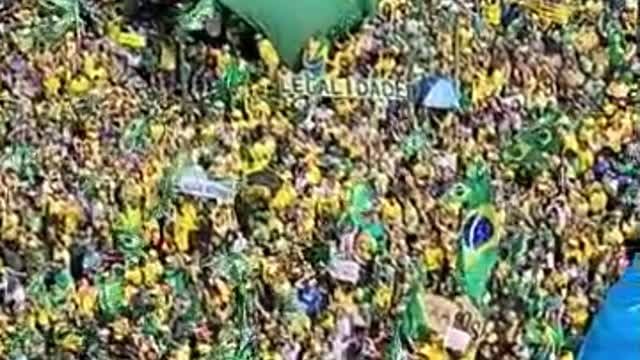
(457,340)
(441,312)
(345,270)
(346,87)
(194,182)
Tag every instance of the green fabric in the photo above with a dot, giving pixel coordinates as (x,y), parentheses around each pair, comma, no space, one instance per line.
(360,199)
(474,190)
(111,296)
(615,44)
(290,24)
(477,264)
(414,321)
(177,280)
(527,152)
(195,17)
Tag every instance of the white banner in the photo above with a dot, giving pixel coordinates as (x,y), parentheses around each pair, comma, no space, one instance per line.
(197,186)
(346,87)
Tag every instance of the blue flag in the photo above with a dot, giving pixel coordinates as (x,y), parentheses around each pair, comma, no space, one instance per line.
(615,331)
(438,93)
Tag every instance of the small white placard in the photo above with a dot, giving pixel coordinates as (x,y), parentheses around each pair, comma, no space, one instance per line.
(345,270)
(456,340)
(195,182)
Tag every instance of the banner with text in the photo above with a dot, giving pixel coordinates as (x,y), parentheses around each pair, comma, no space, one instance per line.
(346,87)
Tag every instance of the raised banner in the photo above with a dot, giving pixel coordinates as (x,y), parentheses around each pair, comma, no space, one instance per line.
(345,87)
(206,188)
(194,182)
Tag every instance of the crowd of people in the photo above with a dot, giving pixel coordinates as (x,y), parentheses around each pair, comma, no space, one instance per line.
(331,227)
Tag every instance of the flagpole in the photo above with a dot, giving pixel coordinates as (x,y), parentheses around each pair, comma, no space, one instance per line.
(410,72)
(456,51)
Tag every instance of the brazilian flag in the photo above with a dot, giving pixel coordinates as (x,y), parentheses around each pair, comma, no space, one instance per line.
(474,190)
(479,240)
(527,153)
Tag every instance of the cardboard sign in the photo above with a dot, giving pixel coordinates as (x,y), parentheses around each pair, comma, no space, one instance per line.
(469,318)
(345,87)
(459,322)
(441,312)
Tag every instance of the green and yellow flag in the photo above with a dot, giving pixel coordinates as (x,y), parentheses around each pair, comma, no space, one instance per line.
(474,190)
(481,230)
(479,240)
